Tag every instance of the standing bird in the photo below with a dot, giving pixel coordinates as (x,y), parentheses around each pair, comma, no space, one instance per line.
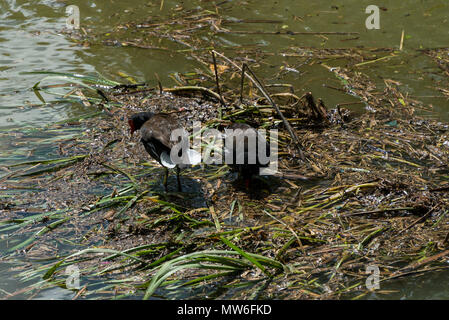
(156,130)
(245,155)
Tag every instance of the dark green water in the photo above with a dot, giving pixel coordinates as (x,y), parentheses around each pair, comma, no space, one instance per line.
(31,40)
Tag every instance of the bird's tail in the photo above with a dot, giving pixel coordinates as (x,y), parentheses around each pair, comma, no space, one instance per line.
(166,160)
(193,158)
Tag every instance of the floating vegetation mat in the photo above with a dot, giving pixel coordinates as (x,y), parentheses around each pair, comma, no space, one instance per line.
(370,190)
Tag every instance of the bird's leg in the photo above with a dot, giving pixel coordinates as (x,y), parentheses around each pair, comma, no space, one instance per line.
(178,170)
(247,184)
(165,178)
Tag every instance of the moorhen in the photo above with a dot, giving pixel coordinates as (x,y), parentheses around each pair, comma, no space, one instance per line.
(155,130)
(249,167)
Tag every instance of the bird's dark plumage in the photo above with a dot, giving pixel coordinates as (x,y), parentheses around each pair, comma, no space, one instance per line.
(156,132)
(247,169)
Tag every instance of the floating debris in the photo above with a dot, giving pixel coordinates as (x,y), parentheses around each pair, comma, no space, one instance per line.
(353,190)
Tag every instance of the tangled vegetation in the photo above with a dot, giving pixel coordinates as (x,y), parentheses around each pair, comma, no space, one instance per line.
(355,188)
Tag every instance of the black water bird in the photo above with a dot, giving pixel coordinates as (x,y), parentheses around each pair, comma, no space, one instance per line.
(155,132)
(241,148)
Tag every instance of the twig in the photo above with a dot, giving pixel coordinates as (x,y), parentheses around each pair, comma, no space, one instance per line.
(103,95)
(402,41)
(375,60)
(417,264)
(80,292)
(420,218)
(222,102)
(291,33)
(194,88)
(161,89)
(242,81)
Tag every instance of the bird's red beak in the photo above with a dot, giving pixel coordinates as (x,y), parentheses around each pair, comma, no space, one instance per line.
(131,126)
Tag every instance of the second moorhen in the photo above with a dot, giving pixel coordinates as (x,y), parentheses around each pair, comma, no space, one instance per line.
(155,131)
(246,169)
